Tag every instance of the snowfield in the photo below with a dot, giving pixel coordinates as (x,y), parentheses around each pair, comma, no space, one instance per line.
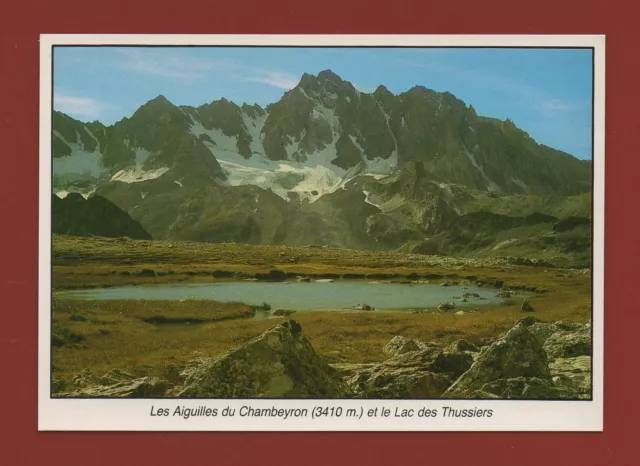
(310,179)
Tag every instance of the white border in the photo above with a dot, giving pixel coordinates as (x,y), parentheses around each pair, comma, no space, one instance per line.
(134,415)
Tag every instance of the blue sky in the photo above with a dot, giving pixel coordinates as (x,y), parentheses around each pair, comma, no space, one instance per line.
(546,92)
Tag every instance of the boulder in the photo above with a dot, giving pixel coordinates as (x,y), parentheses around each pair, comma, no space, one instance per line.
(572,374)
(526,307)
(280,363)
(399,382)
(461,346)
(516,354)
(568,344)
(400,345)
(414,370)
(543,330)
(447,306)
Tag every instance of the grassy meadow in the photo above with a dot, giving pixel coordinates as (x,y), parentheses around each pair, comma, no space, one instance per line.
(155,337)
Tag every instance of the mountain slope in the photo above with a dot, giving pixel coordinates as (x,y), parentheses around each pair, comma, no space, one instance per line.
(95,216)
(330,165)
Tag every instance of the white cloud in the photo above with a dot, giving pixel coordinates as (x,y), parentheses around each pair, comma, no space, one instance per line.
(561,105)
(188,69)
(79,106)
(275,79)
(181,68)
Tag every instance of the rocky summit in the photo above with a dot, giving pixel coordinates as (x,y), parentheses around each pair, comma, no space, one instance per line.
(419,171)
(533,360)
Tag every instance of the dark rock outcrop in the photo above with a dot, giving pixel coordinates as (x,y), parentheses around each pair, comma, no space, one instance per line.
(280,363)
(461,346)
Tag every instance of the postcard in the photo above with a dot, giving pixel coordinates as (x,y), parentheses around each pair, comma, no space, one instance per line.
(321,233)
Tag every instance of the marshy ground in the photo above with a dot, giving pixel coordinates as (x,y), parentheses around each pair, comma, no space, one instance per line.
(148,337)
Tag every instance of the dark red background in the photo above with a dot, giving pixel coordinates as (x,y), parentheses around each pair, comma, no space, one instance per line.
(21,23)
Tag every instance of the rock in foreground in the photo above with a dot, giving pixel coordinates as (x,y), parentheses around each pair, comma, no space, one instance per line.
(516,354)
(414,370)
(280,363)
(115,384)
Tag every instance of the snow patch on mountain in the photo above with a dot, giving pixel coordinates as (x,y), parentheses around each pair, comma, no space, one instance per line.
(321,112)
(304,93)
(83,192)
(367,200)
(293,147)
(238,175)
(317,182)
(79,162)
(223,144)
(310,180)
(491,186)
(137,174)
(254,127)
(141,156)
(394,153)
(355,142)
(382,166)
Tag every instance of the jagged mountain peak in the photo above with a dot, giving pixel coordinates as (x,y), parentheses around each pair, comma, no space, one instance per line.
(308,80)
(325,164)
(256,107)
(420,88)
(326,80)
(328,75)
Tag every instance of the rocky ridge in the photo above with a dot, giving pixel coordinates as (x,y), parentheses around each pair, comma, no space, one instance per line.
(417,171)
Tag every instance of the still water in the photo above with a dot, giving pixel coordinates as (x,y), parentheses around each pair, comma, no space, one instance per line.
(340,294)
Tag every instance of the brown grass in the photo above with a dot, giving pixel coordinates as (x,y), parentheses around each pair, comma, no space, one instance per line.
(102,335)
(116,334)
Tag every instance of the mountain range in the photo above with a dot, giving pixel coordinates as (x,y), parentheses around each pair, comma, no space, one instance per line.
(329,165)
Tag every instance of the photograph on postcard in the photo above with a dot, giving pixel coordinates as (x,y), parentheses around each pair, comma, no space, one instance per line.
(321,222)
